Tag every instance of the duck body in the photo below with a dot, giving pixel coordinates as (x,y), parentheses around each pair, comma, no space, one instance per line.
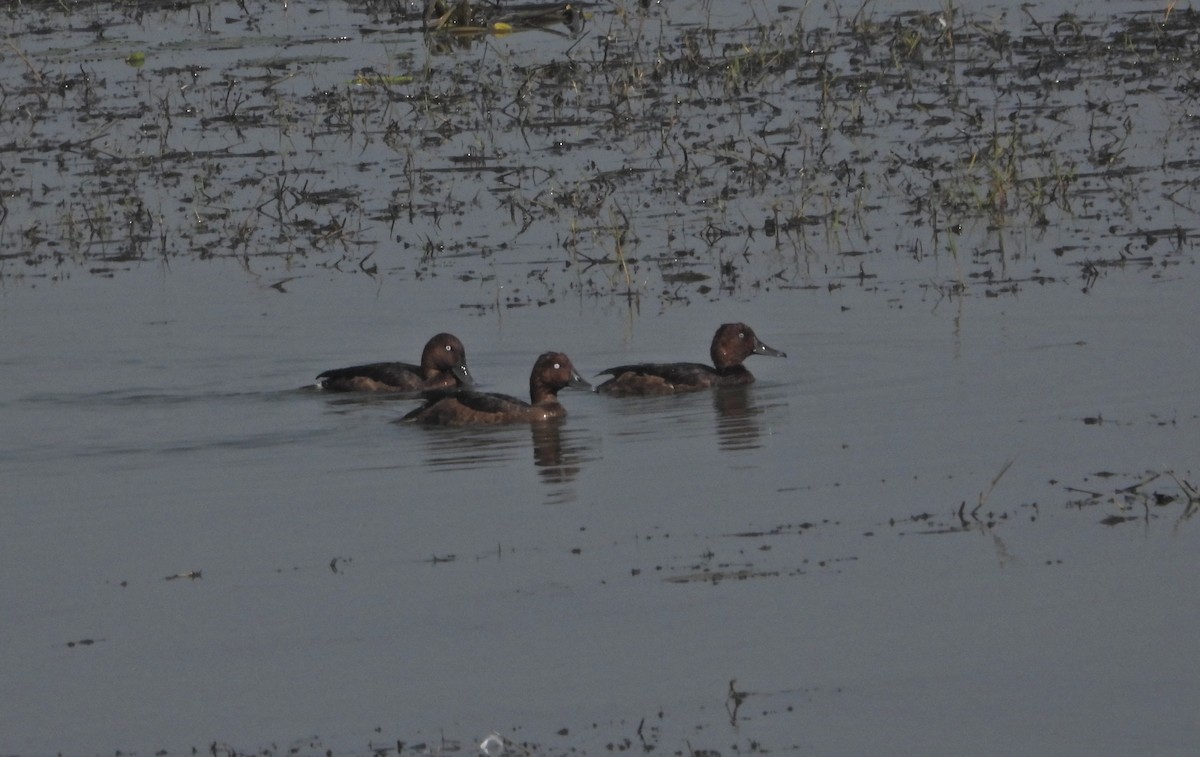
(465,407)
(669,378)
(732,344)
(443,365)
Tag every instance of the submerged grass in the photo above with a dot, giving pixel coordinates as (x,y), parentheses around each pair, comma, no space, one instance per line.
(812,150)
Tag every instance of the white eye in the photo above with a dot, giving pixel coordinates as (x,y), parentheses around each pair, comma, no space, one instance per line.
(557,366)
(741,335)
(449,348)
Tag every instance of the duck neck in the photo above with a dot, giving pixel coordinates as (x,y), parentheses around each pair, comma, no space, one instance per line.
(721,359)
(541,393)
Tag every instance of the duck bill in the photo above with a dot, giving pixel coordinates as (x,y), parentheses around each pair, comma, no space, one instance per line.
(762,349)
(578,382)
(463,375)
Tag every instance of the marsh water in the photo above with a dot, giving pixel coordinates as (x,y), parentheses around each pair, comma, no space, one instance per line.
(956,519)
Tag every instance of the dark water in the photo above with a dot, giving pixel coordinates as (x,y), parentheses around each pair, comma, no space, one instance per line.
(842,540)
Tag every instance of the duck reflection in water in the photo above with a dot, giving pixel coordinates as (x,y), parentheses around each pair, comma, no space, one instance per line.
(558,454)
(737,418)
(557,463)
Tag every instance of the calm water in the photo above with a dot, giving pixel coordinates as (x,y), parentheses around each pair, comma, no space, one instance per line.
(156,434)
(597,585)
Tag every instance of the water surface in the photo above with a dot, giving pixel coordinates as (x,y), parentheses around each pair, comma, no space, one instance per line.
(954,520)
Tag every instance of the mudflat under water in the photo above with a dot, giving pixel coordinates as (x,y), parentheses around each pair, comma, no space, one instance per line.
(957,519)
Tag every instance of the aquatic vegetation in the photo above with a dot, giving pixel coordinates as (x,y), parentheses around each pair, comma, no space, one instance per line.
(472,18)
(654,153)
